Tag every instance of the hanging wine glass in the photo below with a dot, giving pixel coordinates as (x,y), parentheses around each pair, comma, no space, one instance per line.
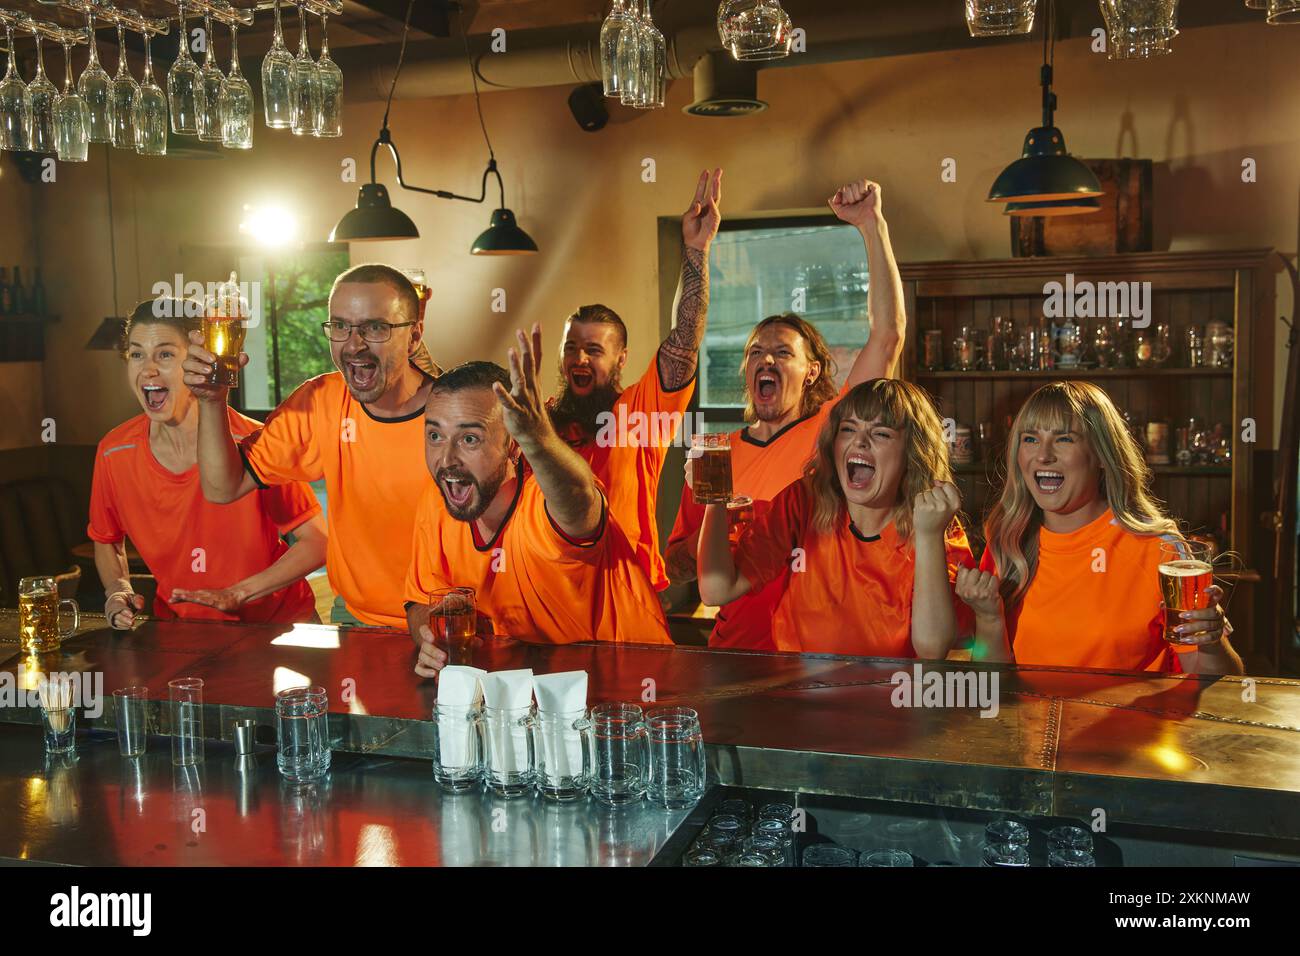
(95,88)
(277,70)
(71,115)
(650,62)
(183,83)
(236,102)
(42,94)
(123,94)
(150,109)
(755,29)
(15,104)
(627,59)
(329,118)
(304,88)
(610,31)
(208,92)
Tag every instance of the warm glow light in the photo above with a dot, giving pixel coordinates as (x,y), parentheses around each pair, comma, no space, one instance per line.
(310,635)
(270,226)
(285,678)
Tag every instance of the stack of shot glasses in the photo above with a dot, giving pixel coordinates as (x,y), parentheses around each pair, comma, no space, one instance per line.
(737,834)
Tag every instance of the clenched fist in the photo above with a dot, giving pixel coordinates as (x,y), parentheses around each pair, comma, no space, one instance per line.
(981,590)
(858,203)
(934,508)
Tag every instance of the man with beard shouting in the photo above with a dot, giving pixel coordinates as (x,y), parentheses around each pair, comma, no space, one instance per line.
(790,391)
(624,434)
(547,560)
(358,428)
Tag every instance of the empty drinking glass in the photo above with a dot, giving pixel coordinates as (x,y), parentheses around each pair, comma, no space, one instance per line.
(208,93)
(304,85)
(457,754)
(827,854)
(277,70)
(622,754)
(627,58)
(509,760)
(1000,18)
(1005,854)
(755,29)
(1064,857)
(131,704)
(15,104)
(563,747)
(329,119)
(150,110)
(678,766)
(653,63)
(1007,831)
(236,102)
(1069,838)
(1140,28)
(183,80)
(610,31)
(886,858)
(96,88)
(42,94)
(302,733)
(123,95)
(1283,11)
(71,116)
(185,695)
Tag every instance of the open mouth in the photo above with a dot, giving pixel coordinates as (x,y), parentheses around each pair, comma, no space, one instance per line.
(1049,482)
(362,373)
(459,491)
(582,377)
(860,471)
(766,385)
(155,397)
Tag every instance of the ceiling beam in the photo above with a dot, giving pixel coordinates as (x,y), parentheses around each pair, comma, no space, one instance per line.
(428,16)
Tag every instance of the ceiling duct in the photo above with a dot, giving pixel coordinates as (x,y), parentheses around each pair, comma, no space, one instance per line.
(724,87)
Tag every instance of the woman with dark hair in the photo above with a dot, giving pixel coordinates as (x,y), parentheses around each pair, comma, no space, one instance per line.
(867,543)
(211,562)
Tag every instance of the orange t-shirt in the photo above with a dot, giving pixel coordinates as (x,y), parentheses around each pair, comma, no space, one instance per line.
(845,593)
(759,469)
(534,582)
(374,473)
(166,517)
(627,455)
(1094,601)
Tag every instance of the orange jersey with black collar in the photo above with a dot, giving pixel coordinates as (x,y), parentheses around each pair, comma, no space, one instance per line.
(627,456)
(533,581)
(1094,601)
(844,593)
(374,473)
(189,542)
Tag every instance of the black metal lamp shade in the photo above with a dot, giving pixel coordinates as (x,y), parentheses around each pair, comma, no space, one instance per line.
(374,219)
(1045,172)
(503,238)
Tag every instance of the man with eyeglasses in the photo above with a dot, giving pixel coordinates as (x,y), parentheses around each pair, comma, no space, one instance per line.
(360,429)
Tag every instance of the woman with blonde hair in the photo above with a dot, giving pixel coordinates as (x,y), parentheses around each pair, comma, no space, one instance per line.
(1070,571)
(869,536)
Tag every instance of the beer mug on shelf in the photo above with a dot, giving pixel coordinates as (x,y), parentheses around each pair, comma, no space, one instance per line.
(454,621)
(38,615)
(225,316)
(1185,577)
(711,468)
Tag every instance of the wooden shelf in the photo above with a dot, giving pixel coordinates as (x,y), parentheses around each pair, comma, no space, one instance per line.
(28,318)
(22,337)
(1084,373)
(1189,471)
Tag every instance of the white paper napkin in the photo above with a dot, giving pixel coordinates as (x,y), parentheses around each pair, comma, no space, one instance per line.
(458,686)
(561,693)
(509,691)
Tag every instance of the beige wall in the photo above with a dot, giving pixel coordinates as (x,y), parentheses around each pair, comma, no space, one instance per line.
(1226,94)
(21,387)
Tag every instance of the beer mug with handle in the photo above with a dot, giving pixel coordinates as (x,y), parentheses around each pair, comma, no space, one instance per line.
(38,615)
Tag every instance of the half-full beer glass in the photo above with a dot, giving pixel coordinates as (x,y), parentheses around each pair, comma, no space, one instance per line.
(711,468)
(453,621)
(1185,577)
(38,615)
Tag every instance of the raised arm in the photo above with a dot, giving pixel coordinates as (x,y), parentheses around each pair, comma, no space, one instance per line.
(572,495)
(859,204)
(679,354)
(221,469)
(721,582)
(934,622)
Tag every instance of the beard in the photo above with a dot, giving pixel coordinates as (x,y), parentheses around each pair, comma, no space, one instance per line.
(583,410)
(485,491)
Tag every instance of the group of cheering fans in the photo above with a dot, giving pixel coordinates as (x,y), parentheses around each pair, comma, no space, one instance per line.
(471,477)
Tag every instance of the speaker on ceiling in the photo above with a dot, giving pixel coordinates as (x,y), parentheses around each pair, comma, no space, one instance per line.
(587,103)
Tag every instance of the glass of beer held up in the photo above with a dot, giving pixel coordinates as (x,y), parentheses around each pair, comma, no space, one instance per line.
(225,317)
(454,622)
(38,616)
(711,468)
(1185,577)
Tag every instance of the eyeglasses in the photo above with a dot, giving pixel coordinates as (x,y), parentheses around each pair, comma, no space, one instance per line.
(372,330)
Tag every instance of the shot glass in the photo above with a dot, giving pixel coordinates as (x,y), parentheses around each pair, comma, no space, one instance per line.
(622,750)
(131,705)
(564,748)
(886,858)
(185,695)
(302,733)
(58,716)
(457,752)
(1069,838)
(1006,854)
(1007,831)
(678,766)
(827,854)
(1064,856)
(509,760)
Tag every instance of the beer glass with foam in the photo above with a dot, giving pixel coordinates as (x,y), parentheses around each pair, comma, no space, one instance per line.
(38,615)
(454,622)
(1185,577)
(225,316)
(711,468)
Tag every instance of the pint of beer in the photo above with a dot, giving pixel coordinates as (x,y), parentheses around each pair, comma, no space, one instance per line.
(224,328)
(454,621)
(1185,576)
(38,616)
(711,468)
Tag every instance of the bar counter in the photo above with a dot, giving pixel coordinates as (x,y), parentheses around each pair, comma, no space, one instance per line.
(1214,756)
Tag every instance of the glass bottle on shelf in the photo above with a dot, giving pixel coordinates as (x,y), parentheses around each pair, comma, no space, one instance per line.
(1045,358)
(1065,336)
(932,350)
(1157,443)
(18,303)
(963,350)
(1218,345)
(1194,338)
(36,299)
